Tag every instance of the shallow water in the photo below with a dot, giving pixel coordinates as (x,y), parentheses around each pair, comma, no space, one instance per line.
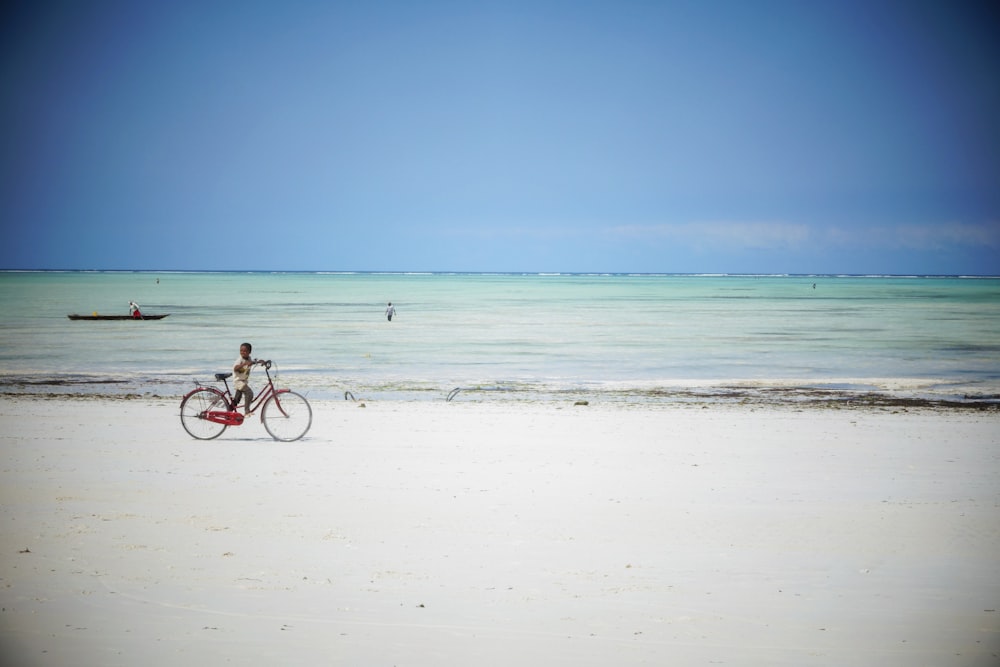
(511,336)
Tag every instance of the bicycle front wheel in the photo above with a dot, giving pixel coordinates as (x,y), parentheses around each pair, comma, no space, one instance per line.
(195,406)
(287,416)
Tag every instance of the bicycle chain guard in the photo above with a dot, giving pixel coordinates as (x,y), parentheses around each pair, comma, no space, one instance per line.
(227,418)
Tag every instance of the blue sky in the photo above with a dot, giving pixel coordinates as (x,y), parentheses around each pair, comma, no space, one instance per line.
(761,137)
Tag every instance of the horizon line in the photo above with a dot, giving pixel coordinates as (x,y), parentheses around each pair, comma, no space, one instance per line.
(706,274)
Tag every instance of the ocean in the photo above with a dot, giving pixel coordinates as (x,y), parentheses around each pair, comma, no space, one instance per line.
(594,337)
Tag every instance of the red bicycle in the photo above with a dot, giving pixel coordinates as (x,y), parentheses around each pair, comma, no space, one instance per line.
(207,411)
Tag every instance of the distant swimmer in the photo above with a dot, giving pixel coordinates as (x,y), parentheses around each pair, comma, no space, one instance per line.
(390,311)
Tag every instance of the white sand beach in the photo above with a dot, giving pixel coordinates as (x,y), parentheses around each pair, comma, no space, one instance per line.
(500,533)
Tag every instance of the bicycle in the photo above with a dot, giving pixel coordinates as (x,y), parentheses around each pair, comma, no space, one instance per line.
(207,411)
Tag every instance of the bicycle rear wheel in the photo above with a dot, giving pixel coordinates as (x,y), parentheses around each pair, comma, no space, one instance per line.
(287,416)
(193,409)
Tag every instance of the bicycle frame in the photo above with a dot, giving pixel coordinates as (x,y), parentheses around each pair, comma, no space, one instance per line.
(233,417)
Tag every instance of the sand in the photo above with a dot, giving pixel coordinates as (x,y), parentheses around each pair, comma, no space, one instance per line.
(500,533)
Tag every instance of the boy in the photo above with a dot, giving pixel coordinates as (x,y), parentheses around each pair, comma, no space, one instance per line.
(241,372)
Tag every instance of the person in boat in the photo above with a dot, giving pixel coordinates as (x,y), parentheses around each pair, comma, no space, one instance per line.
(241,373)
(133,310)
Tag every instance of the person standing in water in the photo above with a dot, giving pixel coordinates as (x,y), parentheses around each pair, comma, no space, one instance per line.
(390,311)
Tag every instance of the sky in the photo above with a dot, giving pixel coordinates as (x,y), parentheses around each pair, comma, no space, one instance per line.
(620,136)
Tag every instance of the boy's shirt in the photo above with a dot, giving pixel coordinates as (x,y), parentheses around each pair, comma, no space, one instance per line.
(241,375)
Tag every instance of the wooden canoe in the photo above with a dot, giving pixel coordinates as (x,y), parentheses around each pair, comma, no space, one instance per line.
(116,317)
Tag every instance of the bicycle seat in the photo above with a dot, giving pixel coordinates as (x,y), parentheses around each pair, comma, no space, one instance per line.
(223,376)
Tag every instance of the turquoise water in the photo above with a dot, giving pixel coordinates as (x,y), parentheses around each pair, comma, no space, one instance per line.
(529,335)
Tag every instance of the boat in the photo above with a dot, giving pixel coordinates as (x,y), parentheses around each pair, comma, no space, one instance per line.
(95,316)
